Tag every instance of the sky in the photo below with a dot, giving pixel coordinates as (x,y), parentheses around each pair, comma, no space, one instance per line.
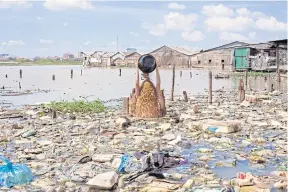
(55,27)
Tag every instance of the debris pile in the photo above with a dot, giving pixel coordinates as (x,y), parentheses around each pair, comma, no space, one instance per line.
(226,146)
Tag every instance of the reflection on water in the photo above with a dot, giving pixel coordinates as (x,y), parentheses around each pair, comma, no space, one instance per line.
(105,83)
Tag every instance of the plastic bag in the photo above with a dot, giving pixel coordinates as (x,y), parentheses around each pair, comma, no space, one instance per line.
(14,174)
(129,164)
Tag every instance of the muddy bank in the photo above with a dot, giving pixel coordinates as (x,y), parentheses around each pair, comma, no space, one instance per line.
(214,143)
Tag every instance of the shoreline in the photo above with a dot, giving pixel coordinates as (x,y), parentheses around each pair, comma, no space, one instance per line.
(37,64)
(204,68)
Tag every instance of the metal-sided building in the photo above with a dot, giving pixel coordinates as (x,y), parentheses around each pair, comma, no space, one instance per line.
(166,56)
(261,56)
(219,57)
(131,58)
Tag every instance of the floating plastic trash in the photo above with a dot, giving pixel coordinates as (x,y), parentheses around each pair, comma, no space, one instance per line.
(129,164)
(212,129)
(14,174)
(123,164)
(241,175)
(141,162)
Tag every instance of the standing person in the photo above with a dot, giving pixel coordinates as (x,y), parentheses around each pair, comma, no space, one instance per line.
(148,100)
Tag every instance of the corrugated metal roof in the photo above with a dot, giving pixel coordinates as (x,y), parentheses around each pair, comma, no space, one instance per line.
(257,46)
(130,53)
(228,46)
(99,53)
(180,49)
(184,50)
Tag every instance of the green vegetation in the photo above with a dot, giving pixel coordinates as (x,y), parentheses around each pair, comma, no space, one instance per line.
(81,106)
(52,62)
(251,74)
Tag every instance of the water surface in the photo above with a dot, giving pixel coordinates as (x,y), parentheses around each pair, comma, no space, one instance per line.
(102,83)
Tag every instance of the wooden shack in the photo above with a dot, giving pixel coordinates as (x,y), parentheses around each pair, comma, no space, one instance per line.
(166,56)
(131,59)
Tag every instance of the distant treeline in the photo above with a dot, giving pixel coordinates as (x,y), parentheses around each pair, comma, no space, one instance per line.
(40,62)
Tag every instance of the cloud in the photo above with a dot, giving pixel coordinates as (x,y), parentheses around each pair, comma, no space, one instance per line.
(7,4)
(176,6)
(58,5)
(229,36)
(39,18)
(87,42)
(179,21)
(244,20)
(239,23)
(193,36)
(217,10)
(252,35)
(134,34)
(14,43)
(271,24)
(172,21)
(247,13)
(243,11)
(262,21)
(156,29)
(43,41)
(259,15)
(65,24)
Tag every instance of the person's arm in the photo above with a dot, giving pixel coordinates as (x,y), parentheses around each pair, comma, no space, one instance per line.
(160,93)
(158,81)
(137,89)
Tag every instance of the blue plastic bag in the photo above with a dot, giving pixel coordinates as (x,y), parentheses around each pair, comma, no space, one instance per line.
(14,174)
(123,164)
(129,164)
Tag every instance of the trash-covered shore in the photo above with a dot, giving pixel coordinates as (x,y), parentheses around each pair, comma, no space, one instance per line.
(226,146)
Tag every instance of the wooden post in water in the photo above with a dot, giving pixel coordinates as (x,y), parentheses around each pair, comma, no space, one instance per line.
(246,78)
(277,63)
(20,73)
(241,91)
(195,108)
(19,84)
(173,82)
(210,88)
(53,77)
(185,96)
(190,74)
(120,72)
(180,73)
(125,106)
(164,110)
(71,73)
(272,87)
(54,115)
